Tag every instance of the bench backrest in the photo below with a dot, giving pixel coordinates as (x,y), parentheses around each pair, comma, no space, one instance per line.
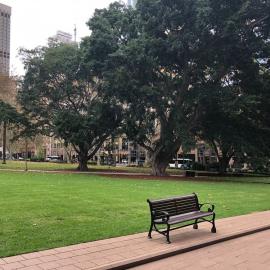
(175,206)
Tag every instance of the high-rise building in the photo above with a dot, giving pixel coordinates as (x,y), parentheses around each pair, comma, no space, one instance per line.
(61,37)
(132,3)
(5,13)
(64,37)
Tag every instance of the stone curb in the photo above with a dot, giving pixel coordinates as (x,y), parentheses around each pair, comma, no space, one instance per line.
(152,257)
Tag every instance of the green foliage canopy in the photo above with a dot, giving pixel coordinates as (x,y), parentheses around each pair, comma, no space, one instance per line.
(64,99)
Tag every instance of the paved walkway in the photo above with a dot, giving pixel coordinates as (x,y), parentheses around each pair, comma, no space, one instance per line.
(247,253)
(129,251)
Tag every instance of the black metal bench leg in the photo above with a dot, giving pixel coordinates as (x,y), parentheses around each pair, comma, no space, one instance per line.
(168,234)
(213,230)
(150,230)
(195,226)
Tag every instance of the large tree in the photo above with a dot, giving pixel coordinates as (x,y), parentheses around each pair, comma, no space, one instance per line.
(163,58)
(234,93)
(9,116)
(65,100)
(230,125)
(139,63)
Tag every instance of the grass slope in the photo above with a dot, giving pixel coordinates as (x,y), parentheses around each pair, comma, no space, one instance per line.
(41,211)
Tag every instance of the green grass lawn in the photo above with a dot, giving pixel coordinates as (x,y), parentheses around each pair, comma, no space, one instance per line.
(40,211)
(50,166)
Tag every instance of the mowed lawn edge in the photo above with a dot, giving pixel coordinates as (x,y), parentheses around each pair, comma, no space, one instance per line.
(40,211)
(71,168)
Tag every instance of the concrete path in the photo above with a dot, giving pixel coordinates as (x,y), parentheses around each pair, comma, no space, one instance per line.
(246,253)
(130,251)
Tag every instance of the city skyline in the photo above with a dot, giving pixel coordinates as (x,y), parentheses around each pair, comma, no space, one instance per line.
(33,22)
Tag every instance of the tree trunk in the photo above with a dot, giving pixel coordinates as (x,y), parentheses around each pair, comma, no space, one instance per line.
(161,158)
(159,168)
(26,154)
(129,153)
(4,141)
(223,158)
(68,153)
(83,159)
(98,157)
(223,165)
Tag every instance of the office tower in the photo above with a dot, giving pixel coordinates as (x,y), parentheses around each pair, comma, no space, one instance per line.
(5,13)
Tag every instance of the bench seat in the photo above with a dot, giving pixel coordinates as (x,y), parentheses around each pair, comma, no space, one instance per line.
(172,211)
(184,217)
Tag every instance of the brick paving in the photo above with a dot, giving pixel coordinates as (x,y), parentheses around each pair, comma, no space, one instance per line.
(250,253)
(122,251)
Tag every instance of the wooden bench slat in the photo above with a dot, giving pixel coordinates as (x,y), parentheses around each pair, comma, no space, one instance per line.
(177,208)
(188,217)
(171,199)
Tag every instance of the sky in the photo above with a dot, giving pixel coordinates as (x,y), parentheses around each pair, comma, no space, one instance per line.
(33,21)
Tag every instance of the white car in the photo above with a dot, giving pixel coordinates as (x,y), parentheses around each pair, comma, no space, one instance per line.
(180,163)
(53,159)
(124,161)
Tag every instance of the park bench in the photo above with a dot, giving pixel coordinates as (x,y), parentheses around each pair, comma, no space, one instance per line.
(169,213)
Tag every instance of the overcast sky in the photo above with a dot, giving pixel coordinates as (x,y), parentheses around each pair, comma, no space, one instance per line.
(33,21)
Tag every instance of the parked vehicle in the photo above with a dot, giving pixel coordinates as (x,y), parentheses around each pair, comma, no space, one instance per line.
(53,159)
(124,161)
(181,163)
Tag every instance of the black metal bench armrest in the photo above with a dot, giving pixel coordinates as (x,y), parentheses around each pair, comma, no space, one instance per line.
(209,204)
(166,216)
